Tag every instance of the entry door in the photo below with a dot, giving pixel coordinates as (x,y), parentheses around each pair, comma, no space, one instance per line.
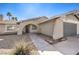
(70,29)
(27,29)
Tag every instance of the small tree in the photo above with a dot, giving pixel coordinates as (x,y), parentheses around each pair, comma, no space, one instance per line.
(9,15)
(14,18)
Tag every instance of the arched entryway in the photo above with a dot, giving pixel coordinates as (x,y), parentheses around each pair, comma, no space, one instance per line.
(30,28)
(27,29)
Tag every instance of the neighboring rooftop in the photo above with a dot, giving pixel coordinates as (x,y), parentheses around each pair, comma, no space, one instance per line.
(36,18)
(8,22)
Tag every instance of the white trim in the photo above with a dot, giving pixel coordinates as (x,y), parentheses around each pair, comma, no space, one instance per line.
(71,21)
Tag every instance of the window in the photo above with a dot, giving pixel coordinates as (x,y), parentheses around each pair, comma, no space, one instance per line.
(10,27)
(34,27)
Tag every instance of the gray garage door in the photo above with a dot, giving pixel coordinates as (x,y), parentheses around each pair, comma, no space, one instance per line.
(70,29)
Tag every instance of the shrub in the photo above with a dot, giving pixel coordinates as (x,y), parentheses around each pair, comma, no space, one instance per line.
(23,48)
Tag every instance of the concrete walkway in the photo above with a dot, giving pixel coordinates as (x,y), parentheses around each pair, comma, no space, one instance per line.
(43,47)
(6,51)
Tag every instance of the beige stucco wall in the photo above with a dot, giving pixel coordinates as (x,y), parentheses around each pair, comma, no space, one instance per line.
(35,22)
(58,29)
(47,28)
(53,28)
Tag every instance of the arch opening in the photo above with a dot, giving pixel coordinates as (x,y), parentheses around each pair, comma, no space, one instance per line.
(30,28)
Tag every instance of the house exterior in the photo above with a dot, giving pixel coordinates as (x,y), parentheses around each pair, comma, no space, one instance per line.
(61,26)
(57,26)
(8,27)
(30,25)
(20,27)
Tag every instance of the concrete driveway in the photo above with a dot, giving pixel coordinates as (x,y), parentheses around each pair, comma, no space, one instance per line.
(43,47)
(68,47)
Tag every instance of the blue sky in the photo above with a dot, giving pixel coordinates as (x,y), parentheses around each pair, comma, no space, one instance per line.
(30,10)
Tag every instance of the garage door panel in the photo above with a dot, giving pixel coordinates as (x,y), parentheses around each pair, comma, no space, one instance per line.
(70,29)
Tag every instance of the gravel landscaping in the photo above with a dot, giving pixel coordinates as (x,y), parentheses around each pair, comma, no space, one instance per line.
(7,42)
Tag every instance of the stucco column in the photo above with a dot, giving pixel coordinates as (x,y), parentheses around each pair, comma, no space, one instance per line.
(58,30)
(19,32)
